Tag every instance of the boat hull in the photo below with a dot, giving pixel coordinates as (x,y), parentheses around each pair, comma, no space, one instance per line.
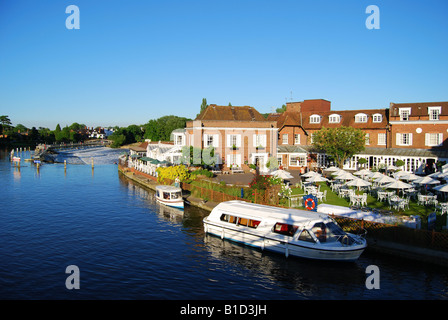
(284,247)
(174,204)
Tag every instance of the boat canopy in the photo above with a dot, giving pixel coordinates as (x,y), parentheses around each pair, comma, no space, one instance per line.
(259,211)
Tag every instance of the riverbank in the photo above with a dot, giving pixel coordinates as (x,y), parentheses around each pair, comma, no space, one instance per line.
(425,255)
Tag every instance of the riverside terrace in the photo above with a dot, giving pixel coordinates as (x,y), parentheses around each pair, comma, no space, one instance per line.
(396,239)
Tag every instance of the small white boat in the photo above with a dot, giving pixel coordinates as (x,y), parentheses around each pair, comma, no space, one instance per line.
(170,196)
(291,232)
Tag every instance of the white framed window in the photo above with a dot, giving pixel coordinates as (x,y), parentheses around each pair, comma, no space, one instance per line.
(285,139)
(404,139)
(315,118)
(367,138)
(296,138)
(233,160)
(405,113)
(334,118)
(361,117)
(377,117)
(381,139)
(210,140)
(179,140)
(297,160)
(259,140)
(233,140)
(433,139)
(434,113)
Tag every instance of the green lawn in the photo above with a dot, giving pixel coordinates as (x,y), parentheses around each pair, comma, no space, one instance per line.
(334,199)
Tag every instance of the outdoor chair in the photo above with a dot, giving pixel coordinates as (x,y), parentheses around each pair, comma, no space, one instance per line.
(364,199)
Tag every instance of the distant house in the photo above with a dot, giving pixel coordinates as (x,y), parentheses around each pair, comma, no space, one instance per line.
(240,135)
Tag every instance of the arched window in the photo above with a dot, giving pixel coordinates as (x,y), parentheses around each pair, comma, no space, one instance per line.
(334,118)
(361,117)
(315,118)
(377,117)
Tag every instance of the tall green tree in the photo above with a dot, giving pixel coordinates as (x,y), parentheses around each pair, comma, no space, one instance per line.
(204,106)
(341,143)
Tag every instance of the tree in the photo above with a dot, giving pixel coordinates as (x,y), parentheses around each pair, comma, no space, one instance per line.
(282,109)
(204,106)
(4,123)
(341,142)
(161,129)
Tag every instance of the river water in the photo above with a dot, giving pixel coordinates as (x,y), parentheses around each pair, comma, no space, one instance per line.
(126,246)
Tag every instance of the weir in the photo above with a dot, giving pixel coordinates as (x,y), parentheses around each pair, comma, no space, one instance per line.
(45,152)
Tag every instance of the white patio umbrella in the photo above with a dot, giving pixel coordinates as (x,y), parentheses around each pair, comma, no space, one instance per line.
(392,167)
(399,174)
(345,176)
(357,182)
(408,176)
(442,188)
(375,175)
(316,178)
(362,173)
(426,180)
(397,184)
(338,172)
(282,174)
(384,179)
(333,168)
(309,174)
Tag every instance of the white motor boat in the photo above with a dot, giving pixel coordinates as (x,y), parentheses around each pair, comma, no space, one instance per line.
(291,232)
(170,196)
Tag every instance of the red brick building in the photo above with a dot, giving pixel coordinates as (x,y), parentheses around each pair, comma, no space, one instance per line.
(419,125)
(239,135)
(301,119)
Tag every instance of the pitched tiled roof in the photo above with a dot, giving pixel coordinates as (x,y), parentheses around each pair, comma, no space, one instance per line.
(419,108)
(347,119)
(285,119)
(230,113)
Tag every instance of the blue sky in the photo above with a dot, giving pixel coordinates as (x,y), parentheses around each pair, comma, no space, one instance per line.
(136,60)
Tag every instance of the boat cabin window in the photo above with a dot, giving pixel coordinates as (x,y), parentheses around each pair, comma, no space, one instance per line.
(176,195)
(240,221)
(166,195)
(285,229)
(306,236)
(328,232)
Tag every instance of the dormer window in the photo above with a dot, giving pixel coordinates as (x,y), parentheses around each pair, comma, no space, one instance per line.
(315,118)
(334,118)
(405,113)
(361,117)
(434,113)
(377,118)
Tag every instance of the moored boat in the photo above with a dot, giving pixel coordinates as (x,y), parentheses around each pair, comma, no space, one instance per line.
(291,232)
(170,196)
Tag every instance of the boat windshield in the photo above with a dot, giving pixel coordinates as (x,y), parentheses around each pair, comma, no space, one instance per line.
(175,195)
(328,232)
